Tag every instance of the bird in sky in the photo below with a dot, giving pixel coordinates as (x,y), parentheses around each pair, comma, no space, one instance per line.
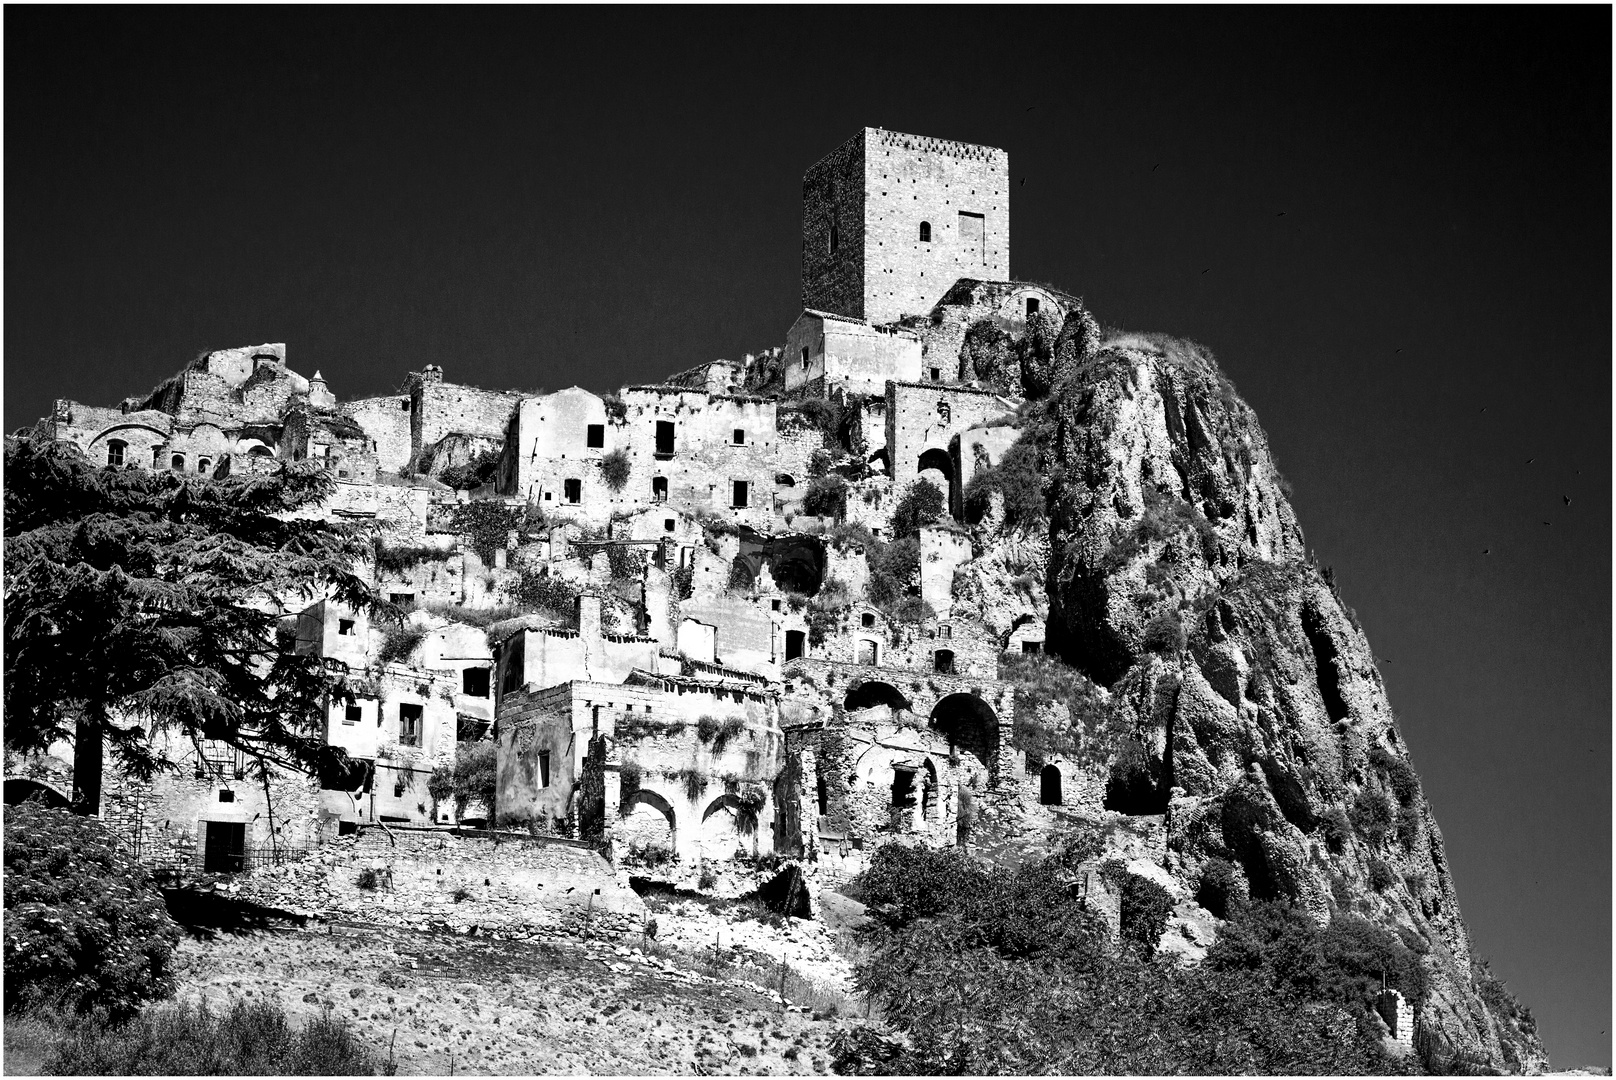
(1023,181)
(1280,214)
(1567,499)
(1030,108)
(1530,460)
(1486,551)
(1156,166)
(1399,350)
(1208,270)
(1545,523)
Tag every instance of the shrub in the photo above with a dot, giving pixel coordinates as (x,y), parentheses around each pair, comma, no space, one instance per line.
(369,879)
(908,883)
(399,642)
(536,590)
(1035,353)
(826,497)
(921,505)
(1017,480)
(627,563)
(474,775)
(629,775)
(1165,516)
(486,525)
(1408,827)
(1164,633)
(1222,890)
(614,469)
(1400,776)
(1371,815)
(84,924)
(1336,828)
(474,473)
(1041,678)
(398,560)
(893,568)
(682,581)
(828,416)
(249,1039)
(1381,874)
(708,878)
(1146,907)
(616,408)
(987,355)
(710,729)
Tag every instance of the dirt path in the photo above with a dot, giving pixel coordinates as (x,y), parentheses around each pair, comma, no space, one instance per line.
(468,1005)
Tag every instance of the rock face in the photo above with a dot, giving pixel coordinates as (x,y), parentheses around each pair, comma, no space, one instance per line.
(1244,698)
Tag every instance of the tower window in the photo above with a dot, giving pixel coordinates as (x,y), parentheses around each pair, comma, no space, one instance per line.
(834,238)
(115,448)
(351,715)
(596,438)
(805,358)
(664,438)
(925,232)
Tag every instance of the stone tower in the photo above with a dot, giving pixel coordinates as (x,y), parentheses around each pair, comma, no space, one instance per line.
(891,221)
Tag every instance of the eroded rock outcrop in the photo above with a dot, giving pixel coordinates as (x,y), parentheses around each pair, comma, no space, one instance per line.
(1245,701)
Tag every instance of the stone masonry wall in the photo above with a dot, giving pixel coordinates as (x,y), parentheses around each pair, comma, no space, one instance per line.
(833,192)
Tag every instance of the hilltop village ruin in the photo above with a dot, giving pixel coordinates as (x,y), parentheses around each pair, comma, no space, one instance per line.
(670,616)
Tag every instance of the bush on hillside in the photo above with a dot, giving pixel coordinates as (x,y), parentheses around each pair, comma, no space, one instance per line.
(1372,815)
(1035,352)
(1017,480)
(987,355)
(84,924)
(248,1039)
(1222,890)
(536,590)
(921,505)
(826,497)
(485,524)
(1145,909)
(474,775)
(474,473)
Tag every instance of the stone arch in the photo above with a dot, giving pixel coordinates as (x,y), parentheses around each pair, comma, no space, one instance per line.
(937,459)
(21,788)
(784,480)
(875,692)
(969,724)
(880,461)
(725,825)
(1049,786)
(640,828)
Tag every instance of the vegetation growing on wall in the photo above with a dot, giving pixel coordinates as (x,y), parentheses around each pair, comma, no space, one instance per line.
(486,524)
(474,473)
(921,505)
(1017,480)
(615,469)
(1039,679)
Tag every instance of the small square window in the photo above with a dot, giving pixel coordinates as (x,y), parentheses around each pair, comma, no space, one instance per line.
(596,437)
(739,437)
(936,374)
(345,627)
(775,604)
(402,598)
(227,795)
(351,715)
(659,489)
(548,496)
(667,524)
(945,630)
(474,681)
(1032,305)
(573,490)
(868,619)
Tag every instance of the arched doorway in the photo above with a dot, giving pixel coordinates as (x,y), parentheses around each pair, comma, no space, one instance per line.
(970,725)
(21,789)
(1049,786)
(874,692)
(929,803)
(648,823)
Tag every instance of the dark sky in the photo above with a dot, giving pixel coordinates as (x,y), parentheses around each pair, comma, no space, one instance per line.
(1393,226)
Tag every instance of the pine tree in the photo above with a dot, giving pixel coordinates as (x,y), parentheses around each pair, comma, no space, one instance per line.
(137,602)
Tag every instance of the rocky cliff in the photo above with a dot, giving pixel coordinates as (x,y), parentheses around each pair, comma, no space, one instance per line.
(1244,700)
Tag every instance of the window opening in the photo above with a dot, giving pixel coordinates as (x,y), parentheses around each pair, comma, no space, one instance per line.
(401,598)
(942,661)
(1049,786)
(866,652)
(352,714)
(513,666)
(409,725)
(1028,648)
(659,488)
(177,463)
(474,681)
(739,500)
(573,490)
(596,437)
(903,787)
(664,438)
(794,646)
(834,238)
(202,465)
(1032,305)
(739,438)
(805,358)
(345,628)
(115,448)
(544,768)
(227,795)
(925,232)
(867,619)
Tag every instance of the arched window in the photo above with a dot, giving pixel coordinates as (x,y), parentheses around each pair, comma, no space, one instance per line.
(925,232)
(834,238)
(260,451)
(177,463)
(115,449)
(203,464)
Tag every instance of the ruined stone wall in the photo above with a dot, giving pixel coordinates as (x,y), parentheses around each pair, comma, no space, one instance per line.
(387,421)
(960,190)
(833,196)
(835,353)
(438,408)
(165,819)
(1003,303)
(922,417)
(942,551)
(706,461)
(795,443)
(745,632)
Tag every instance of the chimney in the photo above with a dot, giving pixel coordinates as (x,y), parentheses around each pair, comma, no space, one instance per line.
(432,373)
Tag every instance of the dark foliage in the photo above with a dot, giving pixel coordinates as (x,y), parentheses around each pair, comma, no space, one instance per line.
(474,473)
(535,590)
(1222,890)
(715,732)
(1337,829)
(1017,479)
(248,1039)
(473,776)
(615,469)
(1372,815)
(1164,633)
(1400,776)
(921,505)
(399,560)
(136,594)
(987,355)
(826,497)
(1035,352)
(1145,909)
(84,925)
(1165,516)
(1041,678)
(1007,973)
(1381,874)
(893,570)
(486,524)
(399,641)
(682,581)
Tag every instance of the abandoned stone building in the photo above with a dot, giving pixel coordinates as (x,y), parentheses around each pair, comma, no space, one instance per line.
(707,669)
